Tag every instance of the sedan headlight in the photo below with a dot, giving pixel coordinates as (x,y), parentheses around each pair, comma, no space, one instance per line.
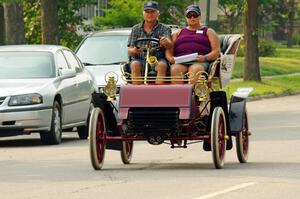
(28,99)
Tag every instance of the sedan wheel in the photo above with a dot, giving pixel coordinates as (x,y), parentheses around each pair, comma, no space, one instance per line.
(54,135)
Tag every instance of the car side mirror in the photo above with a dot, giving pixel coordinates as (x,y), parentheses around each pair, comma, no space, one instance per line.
(67,72)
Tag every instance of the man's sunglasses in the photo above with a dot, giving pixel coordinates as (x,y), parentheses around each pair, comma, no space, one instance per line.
(190,15)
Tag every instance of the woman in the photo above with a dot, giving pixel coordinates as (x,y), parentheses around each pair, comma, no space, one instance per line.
(194,38)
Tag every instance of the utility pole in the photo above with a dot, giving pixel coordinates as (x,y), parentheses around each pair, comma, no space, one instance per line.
(207,12)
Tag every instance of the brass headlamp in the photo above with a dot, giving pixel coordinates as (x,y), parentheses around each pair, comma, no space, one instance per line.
(200,87)
(110,90)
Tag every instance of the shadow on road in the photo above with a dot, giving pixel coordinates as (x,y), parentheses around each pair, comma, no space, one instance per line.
(30,142)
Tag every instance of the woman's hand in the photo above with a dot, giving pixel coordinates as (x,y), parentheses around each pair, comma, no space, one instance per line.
(200,58)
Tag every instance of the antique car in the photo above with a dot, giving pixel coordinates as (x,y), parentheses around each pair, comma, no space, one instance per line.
(170,113)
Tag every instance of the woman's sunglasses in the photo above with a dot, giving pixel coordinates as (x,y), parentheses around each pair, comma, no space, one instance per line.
(190,15)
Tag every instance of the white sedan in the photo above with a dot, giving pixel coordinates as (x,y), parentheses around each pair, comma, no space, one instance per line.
(45,89)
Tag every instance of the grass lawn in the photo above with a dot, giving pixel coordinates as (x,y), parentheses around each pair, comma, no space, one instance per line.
(270,66)
(268,86)
(287,61)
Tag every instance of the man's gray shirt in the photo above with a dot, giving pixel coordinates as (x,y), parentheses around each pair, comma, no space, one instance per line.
(158,31)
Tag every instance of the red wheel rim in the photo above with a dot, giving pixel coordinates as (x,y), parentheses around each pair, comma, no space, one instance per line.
(100,138)
(221,138)
(245,136)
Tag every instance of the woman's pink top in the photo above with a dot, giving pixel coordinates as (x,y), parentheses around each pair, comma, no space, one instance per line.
(189,41)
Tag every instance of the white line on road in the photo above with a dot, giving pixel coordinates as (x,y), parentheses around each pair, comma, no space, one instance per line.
(234,188)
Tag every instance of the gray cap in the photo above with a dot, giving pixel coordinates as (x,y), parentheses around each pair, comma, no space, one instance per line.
(193,8)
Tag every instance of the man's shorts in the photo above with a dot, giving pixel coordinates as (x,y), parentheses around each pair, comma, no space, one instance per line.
(143,62)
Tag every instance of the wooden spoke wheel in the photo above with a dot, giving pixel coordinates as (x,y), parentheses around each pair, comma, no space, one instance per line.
(126,152)
(242,141)
(218,136)
(97,134)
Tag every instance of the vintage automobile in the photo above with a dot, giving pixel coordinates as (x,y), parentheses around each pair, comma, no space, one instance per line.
(44,89)
(174,114)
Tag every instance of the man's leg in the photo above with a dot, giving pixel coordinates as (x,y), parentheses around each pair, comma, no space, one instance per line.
(136,72)
(161,69)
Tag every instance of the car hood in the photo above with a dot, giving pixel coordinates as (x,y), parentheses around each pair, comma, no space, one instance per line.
(22,86)
(98,73)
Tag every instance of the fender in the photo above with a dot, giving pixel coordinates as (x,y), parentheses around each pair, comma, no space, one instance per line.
(237,109)
(100,100)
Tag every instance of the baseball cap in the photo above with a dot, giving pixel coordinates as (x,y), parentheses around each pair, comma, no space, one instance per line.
(151,5)
(193,8)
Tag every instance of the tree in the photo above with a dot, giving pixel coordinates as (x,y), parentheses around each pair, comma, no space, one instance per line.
(14,24)
(32,20)
(233,10)
(69,20)
(251,61)
(2,31)
(291,19)
(49,21)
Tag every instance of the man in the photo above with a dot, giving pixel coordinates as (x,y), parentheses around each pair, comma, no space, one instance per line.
(149,28)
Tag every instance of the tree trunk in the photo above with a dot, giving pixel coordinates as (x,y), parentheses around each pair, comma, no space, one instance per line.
(2,32)
(291,19)
(251,61)
(14,24)
(49,21)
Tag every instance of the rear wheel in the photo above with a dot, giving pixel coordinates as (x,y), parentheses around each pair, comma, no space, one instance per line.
(218,137)
(97,133)
(126,152)
(242,141)
(54,135)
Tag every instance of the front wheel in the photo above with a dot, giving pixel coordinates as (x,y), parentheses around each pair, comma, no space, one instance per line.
(242,141)
(218,136)
(53,136)
(97,134)
(126,152)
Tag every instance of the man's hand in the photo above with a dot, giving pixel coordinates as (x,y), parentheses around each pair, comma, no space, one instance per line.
(133,50)
(165,42)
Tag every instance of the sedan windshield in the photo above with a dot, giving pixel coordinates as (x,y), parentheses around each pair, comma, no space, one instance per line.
(103,50)
(26,65)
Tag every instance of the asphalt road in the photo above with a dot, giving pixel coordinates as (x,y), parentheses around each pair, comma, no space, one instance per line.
(31,170)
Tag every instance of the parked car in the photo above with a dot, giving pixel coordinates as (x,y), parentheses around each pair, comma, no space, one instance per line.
(104,51)
(45,89)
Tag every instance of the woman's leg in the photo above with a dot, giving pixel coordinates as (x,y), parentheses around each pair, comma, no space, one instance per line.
(177,71)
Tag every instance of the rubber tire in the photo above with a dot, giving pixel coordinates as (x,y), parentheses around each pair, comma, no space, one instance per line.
(54,136)
(242,141)
(218,133)
(97,134)
(126,152)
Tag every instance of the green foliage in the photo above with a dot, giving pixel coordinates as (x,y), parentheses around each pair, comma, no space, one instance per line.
(126,13)
(172,12)
(32,21)
(233,10)
(266,48)
(121,13)
(69,20)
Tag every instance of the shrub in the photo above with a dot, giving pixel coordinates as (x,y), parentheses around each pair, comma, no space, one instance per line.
(266,48)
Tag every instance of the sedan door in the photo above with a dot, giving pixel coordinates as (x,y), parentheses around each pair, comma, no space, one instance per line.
(84,88)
